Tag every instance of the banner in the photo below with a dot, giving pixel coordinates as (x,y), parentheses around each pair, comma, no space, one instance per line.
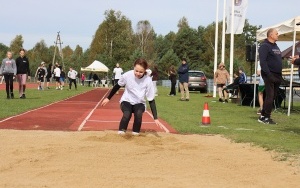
(240,9)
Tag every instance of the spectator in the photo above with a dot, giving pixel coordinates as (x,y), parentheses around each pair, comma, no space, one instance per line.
(243,77)
(231,88)
(48,75)
(221,77)
(271,71)
(172,77)
(72,78)
(183,72)
(57,72)
(154,76)
(261,89)
(118,72)
(82,79)
(23,72)
(62,78)
(40,75)
(90,78)
(8,69)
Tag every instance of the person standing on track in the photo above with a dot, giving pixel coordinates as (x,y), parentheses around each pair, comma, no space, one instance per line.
(8,69)
(118,73)
(40,75)
(23,72)
(72,78)
(138,87)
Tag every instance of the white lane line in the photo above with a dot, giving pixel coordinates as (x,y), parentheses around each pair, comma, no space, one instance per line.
(39,108)
(90,114)
(162,125)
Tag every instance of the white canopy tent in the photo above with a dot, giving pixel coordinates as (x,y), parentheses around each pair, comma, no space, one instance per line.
(287,32)
(96,66)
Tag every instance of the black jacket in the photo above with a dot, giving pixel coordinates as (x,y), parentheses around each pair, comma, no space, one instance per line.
(23,65)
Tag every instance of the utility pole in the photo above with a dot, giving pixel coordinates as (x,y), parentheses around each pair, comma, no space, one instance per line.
(58,41)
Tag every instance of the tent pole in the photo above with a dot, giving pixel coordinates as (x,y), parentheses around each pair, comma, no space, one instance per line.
(291,73)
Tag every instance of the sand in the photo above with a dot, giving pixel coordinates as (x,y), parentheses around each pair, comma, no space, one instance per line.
(105,159)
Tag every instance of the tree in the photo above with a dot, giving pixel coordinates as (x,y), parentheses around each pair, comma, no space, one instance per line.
(144,29)
(16,44)
(183,23)
(113,39)
(3,50)
(170,58)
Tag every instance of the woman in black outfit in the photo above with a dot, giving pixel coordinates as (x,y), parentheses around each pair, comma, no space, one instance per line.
(172,77)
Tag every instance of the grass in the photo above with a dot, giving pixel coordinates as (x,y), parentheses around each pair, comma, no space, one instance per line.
(239,123)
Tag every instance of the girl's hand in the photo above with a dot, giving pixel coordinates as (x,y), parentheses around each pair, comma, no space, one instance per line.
(104,102)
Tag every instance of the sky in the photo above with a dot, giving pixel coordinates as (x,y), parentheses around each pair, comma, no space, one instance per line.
(78,20)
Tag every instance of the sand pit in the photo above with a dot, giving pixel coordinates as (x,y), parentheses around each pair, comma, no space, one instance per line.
(104,159)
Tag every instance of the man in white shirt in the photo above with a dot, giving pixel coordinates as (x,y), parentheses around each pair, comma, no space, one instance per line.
(57,72)
(72,78)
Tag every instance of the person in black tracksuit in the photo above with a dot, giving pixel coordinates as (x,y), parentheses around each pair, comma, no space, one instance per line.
(271,72)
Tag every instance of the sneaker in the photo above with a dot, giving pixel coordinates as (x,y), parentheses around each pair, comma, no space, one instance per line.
(225,101)
(135,133)
(187,99)
(269,121)
(182,99)
(261,119)
(8,97)
(12,95)
(221,100)
(172,95)
(23,96)
(121,132)
(61,88)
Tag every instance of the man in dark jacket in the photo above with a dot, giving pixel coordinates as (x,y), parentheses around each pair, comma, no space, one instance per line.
(23,72)
(271,72)
(183,73)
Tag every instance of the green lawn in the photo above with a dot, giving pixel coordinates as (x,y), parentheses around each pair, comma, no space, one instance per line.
(238,123)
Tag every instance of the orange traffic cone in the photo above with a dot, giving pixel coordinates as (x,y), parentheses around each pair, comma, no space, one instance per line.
(205,116)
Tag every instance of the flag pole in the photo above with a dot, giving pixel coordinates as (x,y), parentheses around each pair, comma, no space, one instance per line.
(231,42)
(223,33)
(216,46)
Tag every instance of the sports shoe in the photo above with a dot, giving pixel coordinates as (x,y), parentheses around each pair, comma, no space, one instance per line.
(269,121)
(225,101)
(23,96)
(12,95)
(221,100)
(182,99)
(261,119)
(187,99)
(121,132)
(135,133)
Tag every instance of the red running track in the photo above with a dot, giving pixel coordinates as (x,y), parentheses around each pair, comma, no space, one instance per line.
(80,113)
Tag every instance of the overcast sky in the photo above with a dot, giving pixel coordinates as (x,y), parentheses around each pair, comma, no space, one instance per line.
(77,20)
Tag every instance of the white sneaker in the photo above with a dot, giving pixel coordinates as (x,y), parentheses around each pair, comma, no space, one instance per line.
(135,133)
(121,132)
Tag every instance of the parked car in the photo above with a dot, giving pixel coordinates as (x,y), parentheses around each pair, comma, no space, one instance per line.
(197,81)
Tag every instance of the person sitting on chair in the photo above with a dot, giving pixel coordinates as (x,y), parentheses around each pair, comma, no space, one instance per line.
(232,88)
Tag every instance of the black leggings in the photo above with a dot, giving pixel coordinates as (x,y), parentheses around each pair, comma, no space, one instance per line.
(70,84)
(9,78)
(128,109)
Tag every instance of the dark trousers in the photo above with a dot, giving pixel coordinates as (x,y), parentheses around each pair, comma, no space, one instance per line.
(9,78)
(271,89)
(128,109)
(173,90)
(70,84)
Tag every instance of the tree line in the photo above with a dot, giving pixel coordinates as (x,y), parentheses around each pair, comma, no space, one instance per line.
(115,41)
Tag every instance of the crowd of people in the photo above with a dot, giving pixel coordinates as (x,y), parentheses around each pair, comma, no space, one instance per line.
(19,69)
